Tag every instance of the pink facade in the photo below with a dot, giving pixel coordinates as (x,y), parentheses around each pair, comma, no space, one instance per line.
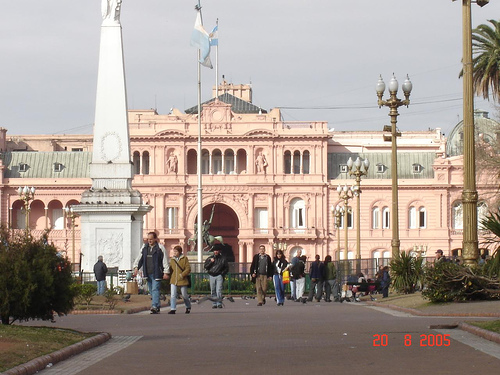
(271,180)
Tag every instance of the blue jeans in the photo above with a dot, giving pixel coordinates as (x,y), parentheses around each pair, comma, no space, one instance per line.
(216,288)
(279,287)
(154,289)
(173,296)
(101,287)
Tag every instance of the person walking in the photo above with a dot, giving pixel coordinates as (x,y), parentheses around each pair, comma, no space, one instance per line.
(100,271)
(299,274)
(386,281)
(180,270)
(330,280)
(154,264)
(317,275)
(217,267)
(293,284)
(280,264)
(261,270)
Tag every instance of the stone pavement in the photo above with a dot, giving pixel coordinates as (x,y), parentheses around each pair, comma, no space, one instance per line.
(243,338)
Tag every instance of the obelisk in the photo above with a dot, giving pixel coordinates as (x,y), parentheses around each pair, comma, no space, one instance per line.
(111,211)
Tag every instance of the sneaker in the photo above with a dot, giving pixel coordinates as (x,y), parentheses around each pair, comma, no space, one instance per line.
(214,306)
(188,310)
(155,310)
(264,301)
(219,306)
(259,304)
(171,312)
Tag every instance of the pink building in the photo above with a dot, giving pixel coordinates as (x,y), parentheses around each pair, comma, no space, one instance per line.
(270,180)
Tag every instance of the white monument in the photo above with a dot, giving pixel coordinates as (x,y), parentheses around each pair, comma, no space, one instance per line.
(111,211)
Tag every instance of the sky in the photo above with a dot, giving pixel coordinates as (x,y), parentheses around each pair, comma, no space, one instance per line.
(319,60)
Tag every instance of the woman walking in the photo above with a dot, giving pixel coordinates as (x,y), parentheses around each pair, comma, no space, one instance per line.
(279,264)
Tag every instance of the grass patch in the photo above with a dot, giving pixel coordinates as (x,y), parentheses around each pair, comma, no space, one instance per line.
(493,325)
(19,344)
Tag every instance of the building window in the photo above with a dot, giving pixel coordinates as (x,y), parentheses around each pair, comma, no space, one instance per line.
(217,162)
(57,219)
(229,162)
(305,162)
(136,160)
(380,168)
(288,162)
(458,216)
(375,217)
(412,218)
(171,218)
(298,213)
(205,162)
(77,149)
(145,162)
(349,221)
(296,162)
(23,167)
(416,168)
(343,168)
(261,220)
(422,218)
(386,218)
(58,167)
(482,211)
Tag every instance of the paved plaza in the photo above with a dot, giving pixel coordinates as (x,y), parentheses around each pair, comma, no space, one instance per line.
(244,338)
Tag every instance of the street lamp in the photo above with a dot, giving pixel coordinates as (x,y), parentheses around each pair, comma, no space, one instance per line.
(26,194)
(360,169)
(337,212)
(469,194)
(346,193)
(72,216)
(394,103)
(281,245)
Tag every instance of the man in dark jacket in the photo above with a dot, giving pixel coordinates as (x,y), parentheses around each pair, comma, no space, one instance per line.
(216,267)
(155,266)
(100,271)
(261,270)
(317,275)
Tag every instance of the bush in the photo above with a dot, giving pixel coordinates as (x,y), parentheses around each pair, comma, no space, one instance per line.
(112,296)
(84,293)
(407,273)
(448,281)
(35,281)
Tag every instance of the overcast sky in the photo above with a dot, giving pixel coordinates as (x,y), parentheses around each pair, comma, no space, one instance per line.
(296,53)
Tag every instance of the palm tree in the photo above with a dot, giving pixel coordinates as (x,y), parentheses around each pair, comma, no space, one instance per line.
(486,61)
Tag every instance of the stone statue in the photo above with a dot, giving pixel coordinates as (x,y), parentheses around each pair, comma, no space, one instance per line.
(261,163)
(208,239)
(111,10)
(172,163)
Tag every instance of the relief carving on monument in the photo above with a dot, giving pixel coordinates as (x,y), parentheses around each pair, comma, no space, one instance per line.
(110,245)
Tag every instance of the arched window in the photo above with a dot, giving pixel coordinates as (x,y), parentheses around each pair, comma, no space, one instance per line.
(288,162)
(192,162)
(205,162)
(136,159)
(145,162)
(386,218)
(457,215)
(349,220)
(229,162)
(293,251)
(412,218)
(297,213)
(305,162)
(296,162)
(375,217)
(217,162)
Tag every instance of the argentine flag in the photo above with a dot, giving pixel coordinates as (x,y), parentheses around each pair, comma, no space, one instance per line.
(201,40)
(214,36)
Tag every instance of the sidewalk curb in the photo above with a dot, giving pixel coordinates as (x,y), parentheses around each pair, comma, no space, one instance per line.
(38,364)
(485,334)
(421,313)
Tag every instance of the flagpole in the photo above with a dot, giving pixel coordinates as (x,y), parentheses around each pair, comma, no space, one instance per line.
(199,240)
(217,62)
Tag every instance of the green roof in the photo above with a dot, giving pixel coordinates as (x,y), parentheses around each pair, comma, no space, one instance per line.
(237,105)
(55,164)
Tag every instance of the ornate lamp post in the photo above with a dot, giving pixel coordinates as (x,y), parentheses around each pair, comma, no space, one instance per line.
(360,169)
(281,245)
(469,195)
(26,194)
(346,193)
(337,212)
(394,103)
(72,216)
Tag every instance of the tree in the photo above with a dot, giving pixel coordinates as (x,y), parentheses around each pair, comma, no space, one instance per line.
(35,281)
(486,61)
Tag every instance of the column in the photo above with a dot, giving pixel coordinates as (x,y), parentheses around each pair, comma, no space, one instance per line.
(301,163)
(182,211)
(235,163)
(250,210)
(223,162)
(210,163)
(241,252)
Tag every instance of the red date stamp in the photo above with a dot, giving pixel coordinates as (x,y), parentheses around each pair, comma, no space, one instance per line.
(423,340)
